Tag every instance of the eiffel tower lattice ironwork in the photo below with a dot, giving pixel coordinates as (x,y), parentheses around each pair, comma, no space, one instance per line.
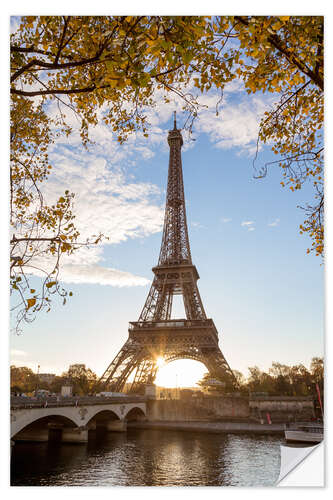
(155,334)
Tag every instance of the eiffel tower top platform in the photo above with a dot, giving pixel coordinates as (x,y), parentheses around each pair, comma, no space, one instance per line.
(155,334)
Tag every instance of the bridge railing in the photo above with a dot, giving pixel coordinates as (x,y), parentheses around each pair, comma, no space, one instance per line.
(17,402)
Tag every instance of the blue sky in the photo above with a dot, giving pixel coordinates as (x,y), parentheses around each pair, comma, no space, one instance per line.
(264,293)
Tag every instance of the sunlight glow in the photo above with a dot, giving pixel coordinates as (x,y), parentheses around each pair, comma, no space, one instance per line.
(180,373)
(160,362)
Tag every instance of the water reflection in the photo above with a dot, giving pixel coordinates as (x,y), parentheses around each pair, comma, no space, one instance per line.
(150,458)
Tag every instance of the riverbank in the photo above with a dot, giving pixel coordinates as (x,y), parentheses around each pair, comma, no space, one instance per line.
(212,427)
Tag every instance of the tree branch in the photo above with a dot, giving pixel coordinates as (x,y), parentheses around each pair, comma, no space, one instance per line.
(55,91)
(278,44)
(66,19)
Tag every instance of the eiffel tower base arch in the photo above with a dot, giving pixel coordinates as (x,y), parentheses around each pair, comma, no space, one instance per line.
(170,340)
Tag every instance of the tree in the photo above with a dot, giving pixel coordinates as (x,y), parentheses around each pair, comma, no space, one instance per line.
(39,229)
(215,383)
(239,377)
(284,380)
(81,63)
(58,382)
(286,56)
(259,381)
(300,379)
(117,64)
(317,371)
(82,378)
(22,379)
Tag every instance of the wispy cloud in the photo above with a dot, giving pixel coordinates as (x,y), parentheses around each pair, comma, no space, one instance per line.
(226,219)
(90,273)
(107,200)
(274,223)
(17,352)
(196,224)
(248,224)
(237,124)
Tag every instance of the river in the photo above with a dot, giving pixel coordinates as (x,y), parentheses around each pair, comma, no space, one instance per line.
(144,457)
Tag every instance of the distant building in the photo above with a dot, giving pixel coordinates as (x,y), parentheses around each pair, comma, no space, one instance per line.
(77,366)
(46,377)
(67,391)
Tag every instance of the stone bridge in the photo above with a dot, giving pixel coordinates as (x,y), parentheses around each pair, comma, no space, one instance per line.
(73,419)
(70,420)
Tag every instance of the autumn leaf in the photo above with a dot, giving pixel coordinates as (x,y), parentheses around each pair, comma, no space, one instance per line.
(30,302)
(50,284)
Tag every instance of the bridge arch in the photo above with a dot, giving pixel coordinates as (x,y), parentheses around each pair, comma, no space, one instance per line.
(79,416)
(103,415)
(135,413)
(32,423)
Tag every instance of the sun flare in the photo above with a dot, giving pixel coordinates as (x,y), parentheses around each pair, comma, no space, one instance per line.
(180,373)
(160,362)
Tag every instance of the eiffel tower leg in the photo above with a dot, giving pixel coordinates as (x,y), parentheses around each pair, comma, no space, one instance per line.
(145,374)
(218,367)
(164,305)
(158,304)
(192,302)
(116,374)
(148,310)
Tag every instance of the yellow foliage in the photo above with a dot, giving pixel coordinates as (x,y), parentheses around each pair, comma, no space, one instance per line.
(118,62)
(30,303)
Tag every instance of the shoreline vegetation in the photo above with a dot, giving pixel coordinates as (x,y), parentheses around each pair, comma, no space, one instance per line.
(279,380)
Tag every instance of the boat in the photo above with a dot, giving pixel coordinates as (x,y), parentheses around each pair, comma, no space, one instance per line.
(304,432)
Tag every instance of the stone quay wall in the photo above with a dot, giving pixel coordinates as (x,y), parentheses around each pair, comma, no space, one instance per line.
(282,408)
(233,408)
(198,409)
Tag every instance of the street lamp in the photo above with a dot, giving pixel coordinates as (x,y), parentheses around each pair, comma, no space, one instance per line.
(37,381)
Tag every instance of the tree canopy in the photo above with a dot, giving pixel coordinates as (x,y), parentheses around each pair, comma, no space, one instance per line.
(82,379)
(116,64)
(23,379)
(279,380)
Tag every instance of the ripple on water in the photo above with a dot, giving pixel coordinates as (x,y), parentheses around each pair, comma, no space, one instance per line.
(151,458)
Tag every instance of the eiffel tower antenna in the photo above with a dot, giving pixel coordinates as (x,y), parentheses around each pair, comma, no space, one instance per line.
(155,334)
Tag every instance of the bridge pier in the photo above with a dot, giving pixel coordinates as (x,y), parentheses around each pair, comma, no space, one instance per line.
(74,435)
(116,426)
(91,426)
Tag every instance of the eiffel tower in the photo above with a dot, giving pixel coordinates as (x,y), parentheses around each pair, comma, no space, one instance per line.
(155,335)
